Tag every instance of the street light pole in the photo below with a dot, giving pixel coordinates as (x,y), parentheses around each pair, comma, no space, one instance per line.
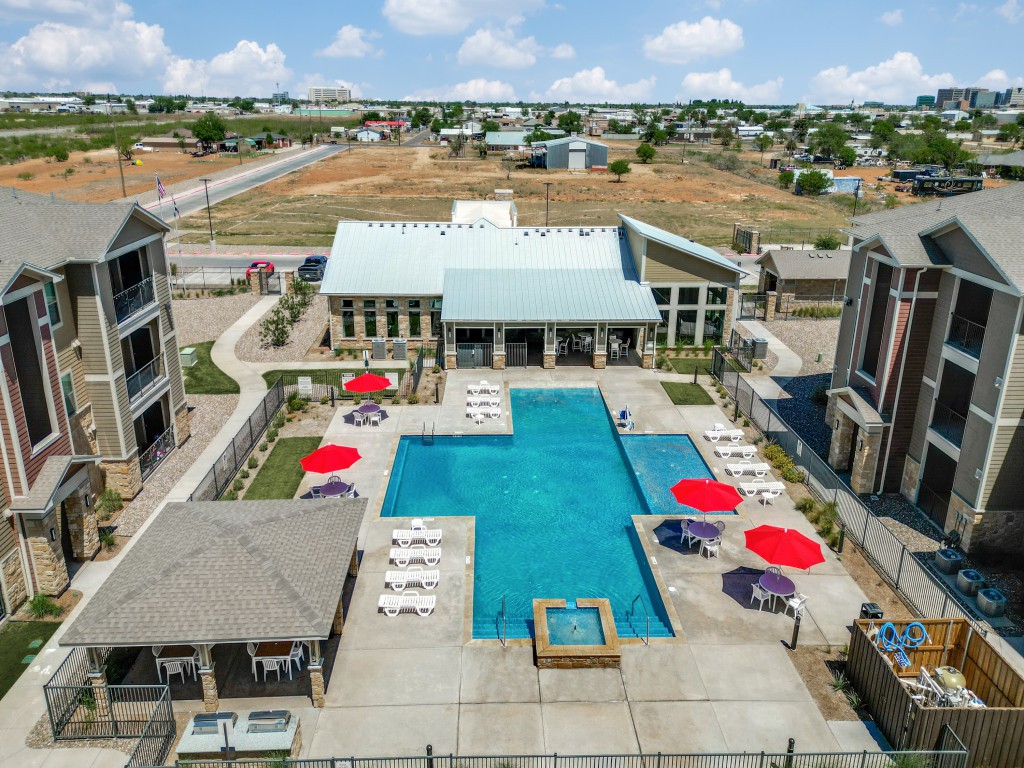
(209,216)
(547,200)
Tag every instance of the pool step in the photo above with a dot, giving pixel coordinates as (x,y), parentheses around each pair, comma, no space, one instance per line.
(518,627)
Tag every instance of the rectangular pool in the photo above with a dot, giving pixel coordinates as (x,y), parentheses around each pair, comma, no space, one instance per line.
(552,504)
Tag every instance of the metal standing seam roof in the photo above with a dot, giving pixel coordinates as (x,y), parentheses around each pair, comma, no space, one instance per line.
(568,140)
(226,571)
(680,243)
(808,265)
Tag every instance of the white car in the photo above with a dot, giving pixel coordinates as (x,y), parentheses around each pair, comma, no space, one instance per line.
(140,147)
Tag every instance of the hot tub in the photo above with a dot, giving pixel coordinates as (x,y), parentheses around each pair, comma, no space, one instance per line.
(575,636)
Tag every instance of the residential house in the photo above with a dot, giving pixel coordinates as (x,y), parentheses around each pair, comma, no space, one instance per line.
(927,395)
(793,277)
(513,296)
(92,393)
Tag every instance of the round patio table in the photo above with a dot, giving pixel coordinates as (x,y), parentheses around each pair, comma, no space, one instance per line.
(368,408)
(704,530)
(777,584)
(333,489)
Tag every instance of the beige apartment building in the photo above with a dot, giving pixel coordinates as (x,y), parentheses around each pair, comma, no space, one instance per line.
(92,394)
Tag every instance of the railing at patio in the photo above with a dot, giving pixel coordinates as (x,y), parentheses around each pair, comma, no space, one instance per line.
(933,504)
(966,335)
(157,736)
(131,300)
(948,423)
(158,450)
(63,690)
(144,378)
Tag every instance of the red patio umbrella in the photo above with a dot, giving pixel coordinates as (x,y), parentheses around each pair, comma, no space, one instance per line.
(706,495)
(784,546)
(368,382)
(330,458)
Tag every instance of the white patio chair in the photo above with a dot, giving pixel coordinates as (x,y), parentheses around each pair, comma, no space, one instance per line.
(728,450)
(251,648)
(473,389)
(474,402)
(796,601)
(494,412)
(417,524)
(760,593)
(404,537)
(416,553)
(745,467)
(273,665)
(392,604)
(493,389)
(350,492)
(295,656)
(414,576)
(613,351)
(577,344)
(588,344)
(375,418)
(174,668)
(314,492)
(710,548)
(769,495)
(563,347)
(685,534)
(720,526)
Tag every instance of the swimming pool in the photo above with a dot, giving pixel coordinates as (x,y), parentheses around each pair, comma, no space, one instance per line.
(552,505)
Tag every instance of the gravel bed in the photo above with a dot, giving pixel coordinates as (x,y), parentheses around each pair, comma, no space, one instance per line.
(199,320)
(314,422)
(808,337)
(209,414)
(41,737)
(305,333)
(806,417)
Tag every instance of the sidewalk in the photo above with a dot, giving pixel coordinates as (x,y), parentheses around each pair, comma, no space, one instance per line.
(770,386)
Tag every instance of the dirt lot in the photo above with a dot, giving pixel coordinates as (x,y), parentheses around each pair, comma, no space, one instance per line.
(388,183)
(94,176)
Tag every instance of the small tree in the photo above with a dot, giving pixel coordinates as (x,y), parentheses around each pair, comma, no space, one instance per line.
(763,142)
(646,153)
(126,148)
(786,179)
(847,155)
(129,105)
(508,164)
(827,242)
(620,168)
(209,129)
(813,182)
(275,329)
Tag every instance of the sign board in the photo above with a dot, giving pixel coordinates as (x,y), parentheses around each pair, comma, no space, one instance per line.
(305,385)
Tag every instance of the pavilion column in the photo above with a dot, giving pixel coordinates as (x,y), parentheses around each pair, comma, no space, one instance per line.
(647,358)
(318,690)
(338,625)
(601,346)
(211,697)
(97,675)
(353,566)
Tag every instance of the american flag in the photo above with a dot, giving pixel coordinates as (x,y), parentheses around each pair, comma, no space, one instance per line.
(161,193)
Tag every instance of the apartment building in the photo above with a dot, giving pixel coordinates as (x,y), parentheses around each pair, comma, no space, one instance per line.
(321,94)
(91,394)
(927,395)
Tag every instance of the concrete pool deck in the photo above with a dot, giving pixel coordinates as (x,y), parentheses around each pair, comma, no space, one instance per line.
(727,685)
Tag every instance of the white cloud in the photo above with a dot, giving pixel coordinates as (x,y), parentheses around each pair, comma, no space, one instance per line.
(1011,10)
(471,90)
(964,10)
(892,18)
(683,42)
(449,17)
(316,80)
(720,85)
(998,80)
(350,42)
(563,51)
(246,70)
(498,48)
(46,10)
(61,56)
(593,85)
(896,81)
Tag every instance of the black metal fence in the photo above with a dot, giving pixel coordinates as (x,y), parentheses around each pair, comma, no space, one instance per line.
(426,358)
(230,461)
(951,758)
(157,736)
(909,574)
(63,691)
(741,349)
(330,384)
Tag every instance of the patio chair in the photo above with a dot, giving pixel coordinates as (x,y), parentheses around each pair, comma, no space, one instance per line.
(295,656)
(350,492)
(474,402)
(685,534)
(720,526)
(493,389)
(273,665)
(251,648)
(416,524)
(392,605)
(774,569)
(563,347)
(760,593)
(473,389)
(404,537)
(333,479)
(768,495)
(416,553)
(414,576)
(796,601)
(714,435)
(494,412)
(375,418)
(174,668)
(710,548)
(314,492)
(577,344)
(745,467)
(728,450)
(613,351)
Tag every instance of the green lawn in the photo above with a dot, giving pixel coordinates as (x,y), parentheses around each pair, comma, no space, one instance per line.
(324,375)
(281,473)
(687,394)
(690,364)
(205,378)
(15,638)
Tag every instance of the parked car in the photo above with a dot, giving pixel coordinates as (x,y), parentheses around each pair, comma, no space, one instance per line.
(312,269)
(254,267)
(140,147)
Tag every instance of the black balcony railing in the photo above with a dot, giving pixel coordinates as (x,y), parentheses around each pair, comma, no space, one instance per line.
(157,451)
(131,300)
(966,335)
(933,503)
(949,423)
(143,379)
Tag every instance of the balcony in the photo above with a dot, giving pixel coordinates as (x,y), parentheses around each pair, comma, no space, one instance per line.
(144,379)
(157,451)
(948,423)
(933,504)
(966,335)
(132,300)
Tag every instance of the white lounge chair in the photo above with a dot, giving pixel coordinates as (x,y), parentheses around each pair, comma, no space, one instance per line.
(760,486)
(494,412)
(405,537)
(728,450)
(417,553)
(392,604)
(414,577)
(714,435)
(746,468)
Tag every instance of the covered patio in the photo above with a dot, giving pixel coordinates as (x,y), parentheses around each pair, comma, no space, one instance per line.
(234,599)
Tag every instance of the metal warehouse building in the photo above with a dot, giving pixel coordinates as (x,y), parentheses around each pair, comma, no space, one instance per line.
(573,152)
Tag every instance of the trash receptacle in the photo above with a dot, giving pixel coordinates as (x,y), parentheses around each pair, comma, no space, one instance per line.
(870,611)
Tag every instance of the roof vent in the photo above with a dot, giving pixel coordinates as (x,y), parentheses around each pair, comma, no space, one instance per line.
(443,232)
(392,225)
(370,225)
(543,234)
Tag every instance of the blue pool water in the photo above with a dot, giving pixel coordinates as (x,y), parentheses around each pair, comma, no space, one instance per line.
(552,505)
(575,626)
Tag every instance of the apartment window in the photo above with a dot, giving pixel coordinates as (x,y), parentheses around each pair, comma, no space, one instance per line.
(370,321)
(714,325)
(391,303)
(686,326)
(662,295)
(28,365)
(392,318)
(689,296)
(68,389)
(661,332)
(414,318)
(52,308)
(876,319)
(435,317)
(717,295)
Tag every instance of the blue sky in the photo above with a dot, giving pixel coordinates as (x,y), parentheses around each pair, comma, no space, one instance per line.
(760,51)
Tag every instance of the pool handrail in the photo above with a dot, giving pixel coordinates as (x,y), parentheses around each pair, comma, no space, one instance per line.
(647,613)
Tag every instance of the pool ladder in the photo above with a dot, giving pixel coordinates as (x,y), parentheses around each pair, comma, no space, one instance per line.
(427,438)
(504,623)
(632,612)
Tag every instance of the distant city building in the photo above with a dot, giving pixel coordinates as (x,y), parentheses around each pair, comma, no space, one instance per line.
(280,98)
(984,100)
(1013,97)
(925,101)
(949,94)
(873,104)
(329,93)
(972,93)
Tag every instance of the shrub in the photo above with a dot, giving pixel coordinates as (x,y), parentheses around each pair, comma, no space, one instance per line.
(253,462)
(279,420)
(806,505)
(785,179)
(107,540)
(108,503)
(378,399)
(42,606)
(264,446)
(357,399)
(413,399)
(827,242)
(295,401)
(396,400)
(436,369)
(830,511)
(275,329)
(61,154)
(291,307)
(337,351)
(244,474)
(746,422)
(840,682)
(238,484)
(818,396)
(724,162)
(271,435)
(229,495)
(26,176)
(792,474)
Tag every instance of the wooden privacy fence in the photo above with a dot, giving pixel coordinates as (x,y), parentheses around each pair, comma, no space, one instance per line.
(993,735)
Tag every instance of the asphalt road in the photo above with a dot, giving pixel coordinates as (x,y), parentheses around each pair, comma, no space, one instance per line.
(194,200)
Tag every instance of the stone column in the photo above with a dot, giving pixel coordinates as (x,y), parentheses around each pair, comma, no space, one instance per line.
(46,556)
(124,476)
(839,447)
(353,565)
(318,691)
(647,361)
(289,282)
(100,697)
(908,482)
(865,462)
(449,361)
(771,299)
(338,625)
(211,697)
(183,424)
(600,359)
(85,539)
(731,297)
(498,361)
(549,360)
(14,581)
(254,280)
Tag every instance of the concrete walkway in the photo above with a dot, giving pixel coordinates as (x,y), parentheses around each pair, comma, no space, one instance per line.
(769,386)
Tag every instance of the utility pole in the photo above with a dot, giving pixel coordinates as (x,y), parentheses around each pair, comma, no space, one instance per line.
(209,216)
(547,200)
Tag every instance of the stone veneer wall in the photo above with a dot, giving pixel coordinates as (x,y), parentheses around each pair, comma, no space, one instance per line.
(51,572)
(14,581)
(992,532)
(82,525)
(125,477)
(183,424)
(360,340)
(908,482)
